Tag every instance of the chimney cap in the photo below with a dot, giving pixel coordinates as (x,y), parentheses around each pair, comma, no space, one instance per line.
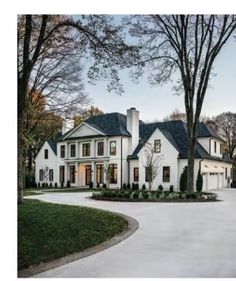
(133,108)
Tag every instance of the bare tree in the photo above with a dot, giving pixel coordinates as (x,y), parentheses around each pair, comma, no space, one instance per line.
(176,115)
(225,125)
(187,45)
(49,53)
(152,163)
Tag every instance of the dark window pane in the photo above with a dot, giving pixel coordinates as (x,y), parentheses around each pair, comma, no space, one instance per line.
(86,149)
(113,173)
(72,150)
(100,148)
(51,175)
(72,173)
(136,174)
(166,174)
(62,151)
(157,146)
(46,153)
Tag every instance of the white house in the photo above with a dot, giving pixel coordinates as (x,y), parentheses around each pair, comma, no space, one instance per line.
(82,154)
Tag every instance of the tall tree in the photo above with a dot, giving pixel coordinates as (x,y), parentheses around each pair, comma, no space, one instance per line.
(91,111)
(225,125)
(49,52)
(176,115)
(189,46)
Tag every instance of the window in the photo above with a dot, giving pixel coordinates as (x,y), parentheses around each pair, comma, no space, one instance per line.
(99,173)
(113,148)
(62,173)
(51,175)
(148,174)
(46,154)
(226,173)
(113,173)
(215,146)
(86,149)
(166,174)
(72,150)
(157,146)
(136,174)
(221,148)
(41,175)
(100,151)
(62,151)
(72,173)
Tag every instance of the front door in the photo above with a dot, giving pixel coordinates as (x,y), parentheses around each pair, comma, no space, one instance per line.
(88,177)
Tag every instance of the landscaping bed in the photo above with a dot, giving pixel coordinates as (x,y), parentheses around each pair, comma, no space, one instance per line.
(153,196)
(49,231)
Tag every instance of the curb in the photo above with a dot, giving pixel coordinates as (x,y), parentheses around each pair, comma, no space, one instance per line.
(132,226)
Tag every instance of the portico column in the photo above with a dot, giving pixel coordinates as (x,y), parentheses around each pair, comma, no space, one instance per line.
(94,174)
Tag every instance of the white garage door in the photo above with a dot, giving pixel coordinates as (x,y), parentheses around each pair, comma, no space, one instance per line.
(212,181)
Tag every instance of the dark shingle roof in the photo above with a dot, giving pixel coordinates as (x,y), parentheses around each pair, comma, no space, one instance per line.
(207,131)
(111,124)
(176,133)
(53,146)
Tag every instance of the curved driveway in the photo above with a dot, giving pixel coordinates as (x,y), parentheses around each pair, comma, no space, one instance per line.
(173,240)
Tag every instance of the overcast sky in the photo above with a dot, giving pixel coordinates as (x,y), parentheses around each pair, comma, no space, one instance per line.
(154,103)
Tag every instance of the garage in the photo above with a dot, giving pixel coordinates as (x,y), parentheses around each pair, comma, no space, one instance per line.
(213,177)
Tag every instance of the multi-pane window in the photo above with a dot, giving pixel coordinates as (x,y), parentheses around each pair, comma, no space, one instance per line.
(148,174)
(72,173)
(113,148)
(166,174)
(100,151)
(226,173)
(62,151)
(157,146)
(72,150)
(45,153)
(113,173)
(51,175)
(41,175)
(86,149)
(99,173)
(136,174)
(62,173)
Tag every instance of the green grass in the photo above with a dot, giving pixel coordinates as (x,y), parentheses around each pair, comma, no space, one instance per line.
(48,231)
(30,192)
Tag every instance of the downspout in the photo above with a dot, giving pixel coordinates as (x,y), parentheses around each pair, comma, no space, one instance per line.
(121,162)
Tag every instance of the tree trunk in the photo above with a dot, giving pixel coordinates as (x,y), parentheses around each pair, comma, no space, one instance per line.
(22,90)
(190,170)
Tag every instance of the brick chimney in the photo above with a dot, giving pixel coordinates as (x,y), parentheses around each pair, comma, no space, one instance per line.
(133,128)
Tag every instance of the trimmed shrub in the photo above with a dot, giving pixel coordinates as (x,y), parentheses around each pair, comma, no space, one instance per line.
(199,182)
(46,184)
(124,186)
(98,185)
(144,187)
(104,186)
(162,195)
(145,195)
(171,188)
(182,195)
(55,185)
(157,194)
(68,184)
(160,187)
(127,194)
(91,184)
(183,180)
(136,195)
(62,184)
(39,184)
(50,184)
(128,185)
(133,186)
(43,184)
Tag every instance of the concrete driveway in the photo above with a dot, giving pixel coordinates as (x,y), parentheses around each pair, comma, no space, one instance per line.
(173,240)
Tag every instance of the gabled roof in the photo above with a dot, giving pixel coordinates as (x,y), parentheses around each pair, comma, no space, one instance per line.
(207,131)
(176,133)
(53,146)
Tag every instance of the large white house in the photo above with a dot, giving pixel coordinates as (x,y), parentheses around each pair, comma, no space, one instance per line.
(82,153)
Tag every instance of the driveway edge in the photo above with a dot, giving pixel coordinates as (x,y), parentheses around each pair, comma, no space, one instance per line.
(132,226)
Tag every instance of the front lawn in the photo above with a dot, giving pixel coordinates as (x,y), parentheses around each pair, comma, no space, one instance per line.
(49,231)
